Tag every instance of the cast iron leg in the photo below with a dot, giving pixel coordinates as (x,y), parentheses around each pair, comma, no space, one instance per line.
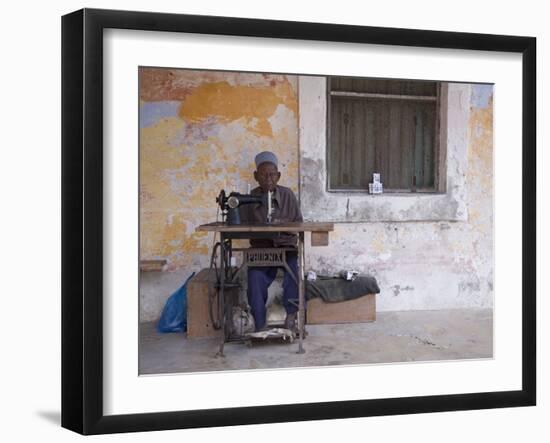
(301,326)
(222,295)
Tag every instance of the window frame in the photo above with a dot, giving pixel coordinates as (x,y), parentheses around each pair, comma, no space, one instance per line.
(440,138)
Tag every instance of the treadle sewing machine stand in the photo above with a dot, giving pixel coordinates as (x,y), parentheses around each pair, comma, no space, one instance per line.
(258,257)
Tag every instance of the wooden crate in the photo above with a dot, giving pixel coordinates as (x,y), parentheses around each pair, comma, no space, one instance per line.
(199,324)
(359,310)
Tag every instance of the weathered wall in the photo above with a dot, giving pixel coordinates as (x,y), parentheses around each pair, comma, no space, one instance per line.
(199,132)
(425,255)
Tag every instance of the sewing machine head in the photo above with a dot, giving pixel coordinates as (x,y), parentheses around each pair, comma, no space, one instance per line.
(230,204)
(267,176)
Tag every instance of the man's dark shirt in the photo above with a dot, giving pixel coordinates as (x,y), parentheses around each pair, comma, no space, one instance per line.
(285,209)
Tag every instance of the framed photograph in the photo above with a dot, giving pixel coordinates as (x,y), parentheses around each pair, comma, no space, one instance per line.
(211,163)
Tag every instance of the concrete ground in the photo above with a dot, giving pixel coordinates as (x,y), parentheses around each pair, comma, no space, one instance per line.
(393,337)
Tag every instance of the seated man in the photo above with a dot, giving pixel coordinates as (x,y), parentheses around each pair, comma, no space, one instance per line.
(285,209)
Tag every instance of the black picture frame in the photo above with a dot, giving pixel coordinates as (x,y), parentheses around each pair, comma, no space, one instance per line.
(82,218)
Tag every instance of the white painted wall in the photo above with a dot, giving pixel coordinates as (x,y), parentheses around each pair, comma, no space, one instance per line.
(426,251)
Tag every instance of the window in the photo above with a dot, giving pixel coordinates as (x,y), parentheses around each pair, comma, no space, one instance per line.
(389,127)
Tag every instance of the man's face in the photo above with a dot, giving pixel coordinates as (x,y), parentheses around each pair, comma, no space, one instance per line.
(267,176)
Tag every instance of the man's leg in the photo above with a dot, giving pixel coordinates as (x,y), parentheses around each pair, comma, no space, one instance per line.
(290,290)
(259,280)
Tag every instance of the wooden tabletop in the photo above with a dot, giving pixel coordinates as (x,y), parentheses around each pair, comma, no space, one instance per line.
(264,227)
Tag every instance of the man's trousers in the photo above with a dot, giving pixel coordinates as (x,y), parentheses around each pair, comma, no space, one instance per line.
(260,278)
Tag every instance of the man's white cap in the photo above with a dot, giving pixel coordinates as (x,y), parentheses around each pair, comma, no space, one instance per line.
(266,156)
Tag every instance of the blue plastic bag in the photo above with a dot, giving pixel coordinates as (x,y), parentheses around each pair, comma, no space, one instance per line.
(174,314)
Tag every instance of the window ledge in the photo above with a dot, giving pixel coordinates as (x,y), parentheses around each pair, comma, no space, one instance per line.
(388,207)
(387,192)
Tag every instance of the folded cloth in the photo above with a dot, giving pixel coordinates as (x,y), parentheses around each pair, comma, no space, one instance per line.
(333,290)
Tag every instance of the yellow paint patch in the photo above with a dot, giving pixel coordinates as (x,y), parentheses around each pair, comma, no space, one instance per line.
(156,158)
(480,169)
(481,130)
(169,237)
(263,127)
(229,103)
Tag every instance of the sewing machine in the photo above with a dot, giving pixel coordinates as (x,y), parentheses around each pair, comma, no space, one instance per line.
(229,204)
(224,264)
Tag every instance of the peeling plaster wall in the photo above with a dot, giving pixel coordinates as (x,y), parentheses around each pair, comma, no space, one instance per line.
(426,251)
(199,133)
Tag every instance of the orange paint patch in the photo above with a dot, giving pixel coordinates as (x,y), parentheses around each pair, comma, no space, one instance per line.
(161,84)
